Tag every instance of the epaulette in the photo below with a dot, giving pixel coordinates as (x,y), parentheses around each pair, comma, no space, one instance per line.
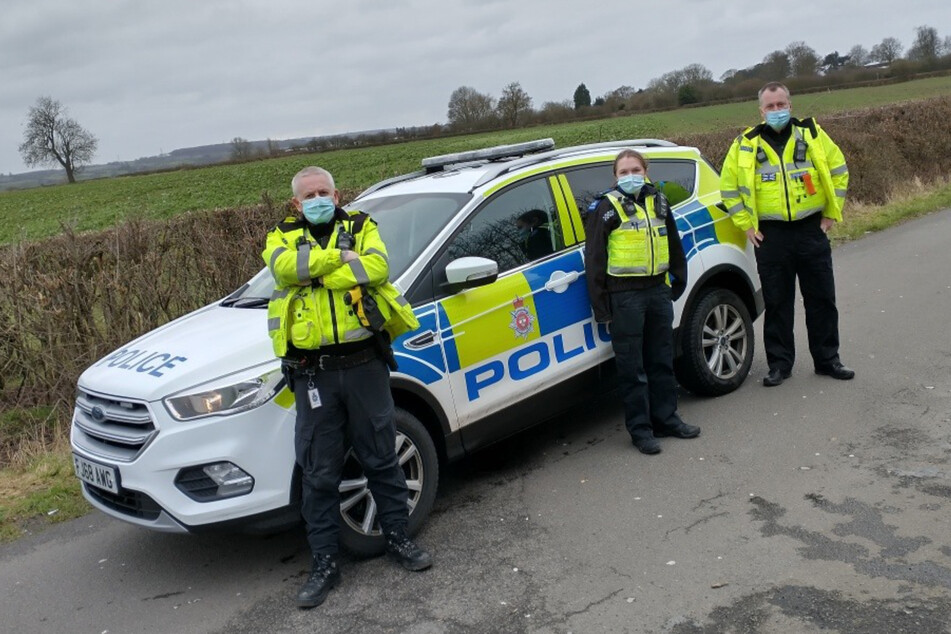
(808,123)
(291,223)
(359,218)
(754,132)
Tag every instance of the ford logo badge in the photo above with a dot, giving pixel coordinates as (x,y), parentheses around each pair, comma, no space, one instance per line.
(97,414)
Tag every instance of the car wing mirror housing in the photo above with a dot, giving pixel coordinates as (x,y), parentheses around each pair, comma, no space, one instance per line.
(469,272)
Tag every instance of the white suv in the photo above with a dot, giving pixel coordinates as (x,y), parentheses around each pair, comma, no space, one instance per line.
(191,427)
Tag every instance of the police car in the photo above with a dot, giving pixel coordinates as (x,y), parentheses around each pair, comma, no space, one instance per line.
(190,427)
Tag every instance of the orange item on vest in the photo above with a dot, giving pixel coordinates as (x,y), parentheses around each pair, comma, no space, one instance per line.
(810,187)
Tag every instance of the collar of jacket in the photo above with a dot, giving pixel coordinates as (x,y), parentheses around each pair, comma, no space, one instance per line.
(756,131)
(326,228)
(646,190)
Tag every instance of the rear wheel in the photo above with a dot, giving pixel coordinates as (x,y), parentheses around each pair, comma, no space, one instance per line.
(716,343)
(359,527)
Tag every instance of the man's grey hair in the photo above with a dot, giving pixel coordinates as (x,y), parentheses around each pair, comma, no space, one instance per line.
(310,171)
(772,86)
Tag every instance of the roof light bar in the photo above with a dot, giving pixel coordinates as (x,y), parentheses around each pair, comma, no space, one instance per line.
(434,163)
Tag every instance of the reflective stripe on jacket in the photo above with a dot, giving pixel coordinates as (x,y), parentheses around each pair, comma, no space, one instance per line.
(756,184)
(308,306)
(638,247)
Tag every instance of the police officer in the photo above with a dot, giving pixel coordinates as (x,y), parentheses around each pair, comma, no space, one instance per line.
(783,182)
(336,370)
(632,246)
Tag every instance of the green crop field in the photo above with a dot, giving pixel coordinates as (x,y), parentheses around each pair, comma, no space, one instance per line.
(32,214)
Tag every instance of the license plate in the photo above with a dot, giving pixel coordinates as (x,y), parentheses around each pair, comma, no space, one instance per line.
(96,474)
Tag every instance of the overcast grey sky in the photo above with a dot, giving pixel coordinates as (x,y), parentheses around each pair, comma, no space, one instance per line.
(150,76)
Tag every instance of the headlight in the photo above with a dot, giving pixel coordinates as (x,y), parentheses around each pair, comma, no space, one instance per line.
(230,396)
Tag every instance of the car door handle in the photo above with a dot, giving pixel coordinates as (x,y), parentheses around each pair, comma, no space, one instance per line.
(559,281)
(421,341)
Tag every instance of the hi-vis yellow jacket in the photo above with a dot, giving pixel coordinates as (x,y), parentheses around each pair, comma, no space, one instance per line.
(308,306)
(756,184)
(638,247)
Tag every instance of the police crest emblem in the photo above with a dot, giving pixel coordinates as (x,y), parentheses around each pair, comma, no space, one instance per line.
(522,318)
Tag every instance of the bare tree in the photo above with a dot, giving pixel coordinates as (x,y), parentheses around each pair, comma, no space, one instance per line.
(469,109)
(514,105)
(886,51)
(927,45)
(241,149)
(858,56)
(803,60)
(776,66)
(51,137)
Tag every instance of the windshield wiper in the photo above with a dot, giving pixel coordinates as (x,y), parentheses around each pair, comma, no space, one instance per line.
(246,302)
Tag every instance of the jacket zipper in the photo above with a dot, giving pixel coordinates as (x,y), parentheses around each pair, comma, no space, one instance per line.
(333,315)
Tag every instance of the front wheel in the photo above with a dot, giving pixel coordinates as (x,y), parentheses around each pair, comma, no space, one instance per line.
(716,344)
(359,527)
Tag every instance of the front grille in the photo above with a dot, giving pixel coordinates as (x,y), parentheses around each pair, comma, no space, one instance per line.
(112,428)
(131,503)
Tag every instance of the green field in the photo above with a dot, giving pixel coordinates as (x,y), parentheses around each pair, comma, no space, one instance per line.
(35,213)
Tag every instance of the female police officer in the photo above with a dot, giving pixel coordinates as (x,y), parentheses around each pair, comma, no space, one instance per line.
(632,246)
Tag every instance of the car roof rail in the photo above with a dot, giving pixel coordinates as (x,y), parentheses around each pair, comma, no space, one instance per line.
(495,153)
(497,171)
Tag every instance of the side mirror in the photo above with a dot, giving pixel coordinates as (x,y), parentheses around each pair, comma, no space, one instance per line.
(469,272)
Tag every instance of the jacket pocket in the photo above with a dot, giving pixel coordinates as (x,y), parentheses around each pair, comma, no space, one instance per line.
(305,324)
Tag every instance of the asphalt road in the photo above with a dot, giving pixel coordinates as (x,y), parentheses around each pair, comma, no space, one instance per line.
(817,506)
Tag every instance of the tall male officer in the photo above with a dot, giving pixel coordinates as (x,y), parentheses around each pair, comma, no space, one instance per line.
(336,369)
(784,182)
(632,246)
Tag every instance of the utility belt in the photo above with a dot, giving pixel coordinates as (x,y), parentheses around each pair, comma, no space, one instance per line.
(314,360)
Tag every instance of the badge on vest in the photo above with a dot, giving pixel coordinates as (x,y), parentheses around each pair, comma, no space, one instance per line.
(769,178)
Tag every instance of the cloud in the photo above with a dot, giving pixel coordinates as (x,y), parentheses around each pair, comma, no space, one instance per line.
(153,75)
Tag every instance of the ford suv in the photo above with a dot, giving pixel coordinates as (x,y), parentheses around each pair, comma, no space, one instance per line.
(183,430)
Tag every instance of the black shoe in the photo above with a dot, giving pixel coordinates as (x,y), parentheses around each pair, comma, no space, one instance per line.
(776,377)
(837,371)
(324,576)
(402,549)
(650,446)
(680,430)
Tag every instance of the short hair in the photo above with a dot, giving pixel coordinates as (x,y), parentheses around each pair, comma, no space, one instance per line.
(535,217)
(772,87)
(310,171)
(629,153)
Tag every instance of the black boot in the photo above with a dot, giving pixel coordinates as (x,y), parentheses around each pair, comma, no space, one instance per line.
(324,576)
(402,549)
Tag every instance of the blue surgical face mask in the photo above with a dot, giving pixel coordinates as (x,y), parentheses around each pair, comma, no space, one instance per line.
(524,233)
(318,210)
(777,119)
(631,183)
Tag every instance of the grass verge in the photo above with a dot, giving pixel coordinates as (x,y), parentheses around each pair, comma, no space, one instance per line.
(39,489)
(40,492)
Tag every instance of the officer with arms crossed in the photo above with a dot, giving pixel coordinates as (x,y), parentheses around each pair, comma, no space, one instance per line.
(632,246)
(336,369)
(783,182)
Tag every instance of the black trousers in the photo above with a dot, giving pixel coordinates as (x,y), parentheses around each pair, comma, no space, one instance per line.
(790,250)
(643,343)
(356,406)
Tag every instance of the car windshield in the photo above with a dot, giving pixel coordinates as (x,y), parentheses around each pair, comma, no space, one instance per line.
(407,223)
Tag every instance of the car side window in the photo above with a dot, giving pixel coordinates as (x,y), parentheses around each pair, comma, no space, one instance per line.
(676,178)
(515,227)
(588,182)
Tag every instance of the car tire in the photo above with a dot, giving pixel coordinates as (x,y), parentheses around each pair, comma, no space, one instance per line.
(359,529)
(716,343)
